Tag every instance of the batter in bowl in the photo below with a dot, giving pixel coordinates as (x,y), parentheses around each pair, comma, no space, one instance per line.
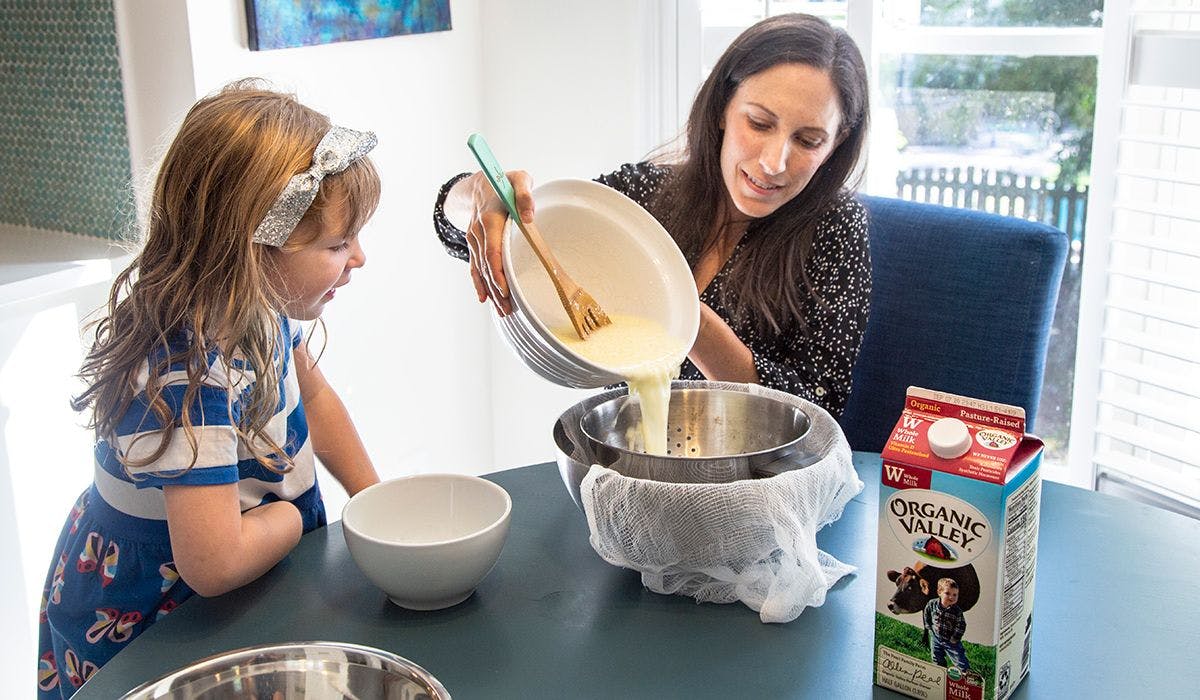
(647,356)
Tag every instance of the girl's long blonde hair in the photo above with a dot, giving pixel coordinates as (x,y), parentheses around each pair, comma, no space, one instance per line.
(199,274)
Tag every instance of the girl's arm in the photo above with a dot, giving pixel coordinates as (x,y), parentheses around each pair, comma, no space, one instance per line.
(218,548)
(335,440)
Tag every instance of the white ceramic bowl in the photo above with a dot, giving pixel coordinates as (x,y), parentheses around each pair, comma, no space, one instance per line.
(616,251)
(427,540)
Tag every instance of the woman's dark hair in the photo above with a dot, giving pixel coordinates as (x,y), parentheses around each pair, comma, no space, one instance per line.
(764,276)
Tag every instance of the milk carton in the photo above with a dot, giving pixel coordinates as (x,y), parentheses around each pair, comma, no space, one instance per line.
(958,523)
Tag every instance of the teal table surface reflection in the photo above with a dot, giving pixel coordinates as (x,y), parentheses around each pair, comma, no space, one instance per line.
(1117,613)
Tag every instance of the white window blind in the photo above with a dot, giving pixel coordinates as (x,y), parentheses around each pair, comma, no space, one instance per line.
(1145,438)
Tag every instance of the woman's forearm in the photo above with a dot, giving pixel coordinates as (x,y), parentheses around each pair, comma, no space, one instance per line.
(459,205)
(718,353)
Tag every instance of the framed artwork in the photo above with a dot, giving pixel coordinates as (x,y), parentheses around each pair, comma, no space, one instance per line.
(278,24)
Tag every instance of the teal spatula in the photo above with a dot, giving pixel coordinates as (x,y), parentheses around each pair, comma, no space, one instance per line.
(585,314)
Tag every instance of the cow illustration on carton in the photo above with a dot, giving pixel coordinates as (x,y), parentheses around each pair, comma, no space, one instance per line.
(916,585)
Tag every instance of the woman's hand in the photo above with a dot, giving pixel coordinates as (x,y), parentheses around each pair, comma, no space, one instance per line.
(485,234)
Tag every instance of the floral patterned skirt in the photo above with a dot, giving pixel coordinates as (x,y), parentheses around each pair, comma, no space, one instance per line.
(113,575)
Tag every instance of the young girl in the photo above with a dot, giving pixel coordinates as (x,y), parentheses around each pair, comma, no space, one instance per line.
(207,407)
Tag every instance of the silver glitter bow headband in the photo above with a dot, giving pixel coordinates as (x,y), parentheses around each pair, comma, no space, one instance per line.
(337,150)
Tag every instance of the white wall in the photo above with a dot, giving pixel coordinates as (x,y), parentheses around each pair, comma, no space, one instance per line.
(156,75)
(49,284)
(567,93)
(560,88)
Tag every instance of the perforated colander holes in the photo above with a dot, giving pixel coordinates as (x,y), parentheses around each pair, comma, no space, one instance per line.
(679,445)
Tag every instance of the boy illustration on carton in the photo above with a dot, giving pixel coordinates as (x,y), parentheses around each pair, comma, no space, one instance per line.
(945,625)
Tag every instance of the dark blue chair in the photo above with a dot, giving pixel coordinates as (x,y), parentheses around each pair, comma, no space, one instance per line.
(961,301)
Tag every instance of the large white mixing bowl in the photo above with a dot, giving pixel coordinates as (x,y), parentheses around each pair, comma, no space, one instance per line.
(615,250)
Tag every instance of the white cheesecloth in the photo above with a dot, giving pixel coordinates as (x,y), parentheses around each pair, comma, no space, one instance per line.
(752,540)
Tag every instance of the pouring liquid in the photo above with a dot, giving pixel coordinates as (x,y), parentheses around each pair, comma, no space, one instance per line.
(646,356)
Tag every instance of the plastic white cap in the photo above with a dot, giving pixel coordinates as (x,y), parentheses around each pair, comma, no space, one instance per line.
(949,438)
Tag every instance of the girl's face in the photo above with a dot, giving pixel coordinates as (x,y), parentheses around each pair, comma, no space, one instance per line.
(780,126)
(309,276)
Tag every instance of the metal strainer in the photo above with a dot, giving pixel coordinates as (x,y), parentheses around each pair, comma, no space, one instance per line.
(714,436)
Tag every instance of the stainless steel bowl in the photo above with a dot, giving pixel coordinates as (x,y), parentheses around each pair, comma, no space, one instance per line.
(310,670)
(717,436)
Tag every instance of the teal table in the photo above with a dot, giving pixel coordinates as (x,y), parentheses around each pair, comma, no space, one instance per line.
(1117,613)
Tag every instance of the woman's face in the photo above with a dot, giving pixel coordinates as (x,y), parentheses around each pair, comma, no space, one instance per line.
(779,127)
(308,276)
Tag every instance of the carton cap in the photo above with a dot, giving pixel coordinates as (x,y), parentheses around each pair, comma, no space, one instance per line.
(949,438)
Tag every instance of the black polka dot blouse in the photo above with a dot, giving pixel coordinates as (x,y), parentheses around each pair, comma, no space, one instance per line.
(813,363)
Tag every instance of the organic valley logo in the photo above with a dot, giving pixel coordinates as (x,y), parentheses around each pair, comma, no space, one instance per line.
(938,527)
(995,439)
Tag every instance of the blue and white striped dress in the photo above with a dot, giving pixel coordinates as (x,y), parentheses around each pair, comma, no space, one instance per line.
(113,574)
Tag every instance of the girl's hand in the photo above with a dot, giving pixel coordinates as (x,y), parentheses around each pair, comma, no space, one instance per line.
(485,235)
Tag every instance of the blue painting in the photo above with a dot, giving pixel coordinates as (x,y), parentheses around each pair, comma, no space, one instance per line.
(278,24)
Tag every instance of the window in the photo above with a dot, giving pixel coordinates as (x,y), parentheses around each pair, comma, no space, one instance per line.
(1135,430)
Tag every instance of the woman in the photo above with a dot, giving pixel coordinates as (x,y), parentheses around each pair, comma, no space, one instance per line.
(757,204)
